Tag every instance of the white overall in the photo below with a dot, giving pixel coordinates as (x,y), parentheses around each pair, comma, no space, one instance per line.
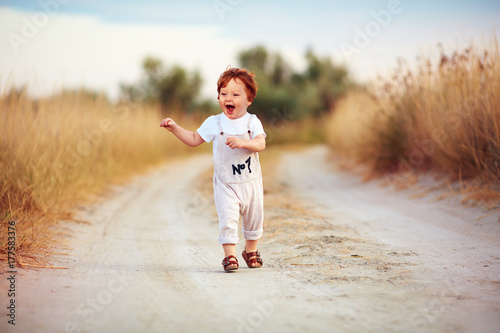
(238,189)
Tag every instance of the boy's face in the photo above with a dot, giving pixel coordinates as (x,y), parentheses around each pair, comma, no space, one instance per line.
(233,99)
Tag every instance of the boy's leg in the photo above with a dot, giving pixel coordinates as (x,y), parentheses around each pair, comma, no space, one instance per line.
(227,205)
(253,210)
(253,218)
(251,245)
(229,249)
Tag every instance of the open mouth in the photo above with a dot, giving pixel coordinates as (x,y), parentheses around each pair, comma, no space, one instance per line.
(230,108)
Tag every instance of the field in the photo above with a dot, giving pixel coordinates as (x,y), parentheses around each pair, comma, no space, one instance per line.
(442,116)
(59,152)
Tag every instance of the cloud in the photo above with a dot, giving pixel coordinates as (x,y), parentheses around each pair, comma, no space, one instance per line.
(79,50)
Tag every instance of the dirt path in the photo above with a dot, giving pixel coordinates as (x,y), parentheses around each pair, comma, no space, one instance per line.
(340,256)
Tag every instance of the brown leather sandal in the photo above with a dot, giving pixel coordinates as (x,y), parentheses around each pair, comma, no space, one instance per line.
(251,258)
(226,263)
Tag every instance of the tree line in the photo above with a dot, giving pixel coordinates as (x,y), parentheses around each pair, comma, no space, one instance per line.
(281,89)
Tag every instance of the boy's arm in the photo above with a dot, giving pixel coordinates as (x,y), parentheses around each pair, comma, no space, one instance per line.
(256,144)
(192,139)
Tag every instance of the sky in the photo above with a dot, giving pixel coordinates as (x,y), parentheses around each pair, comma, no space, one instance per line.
(54,44)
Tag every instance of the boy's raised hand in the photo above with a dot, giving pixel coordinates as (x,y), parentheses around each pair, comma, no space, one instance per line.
(168,123)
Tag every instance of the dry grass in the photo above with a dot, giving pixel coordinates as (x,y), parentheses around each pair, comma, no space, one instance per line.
(60,151)
(442,116)
(283,131)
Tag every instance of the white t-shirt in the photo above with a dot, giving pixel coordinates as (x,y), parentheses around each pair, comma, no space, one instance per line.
(209,130)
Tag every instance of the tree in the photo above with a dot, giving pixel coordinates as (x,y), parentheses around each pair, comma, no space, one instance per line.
(254,59)
(331,81)
(173,88)
(312,92)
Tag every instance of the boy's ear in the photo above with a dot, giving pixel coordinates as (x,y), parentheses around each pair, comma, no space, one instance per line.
(249,103)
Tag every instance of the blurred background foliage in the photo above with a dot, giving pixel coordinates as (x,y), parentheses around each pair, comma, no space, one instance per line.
(282,89)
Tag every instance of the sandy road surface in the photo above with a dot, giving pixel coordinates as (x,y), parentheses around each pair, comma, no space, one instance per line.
(340,256)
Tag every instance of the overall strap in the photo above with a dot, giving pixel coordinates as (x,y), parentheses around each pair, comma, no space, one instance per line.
(220,126)
(249,122)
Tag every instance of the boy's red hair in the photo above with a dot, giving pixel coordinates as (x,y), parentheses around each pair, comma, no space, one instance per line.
(248,79)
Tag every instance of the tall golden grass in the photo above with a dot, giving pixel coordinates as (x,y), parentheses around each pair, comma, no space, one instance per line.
(60,151)
(443,115)
(283,131)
